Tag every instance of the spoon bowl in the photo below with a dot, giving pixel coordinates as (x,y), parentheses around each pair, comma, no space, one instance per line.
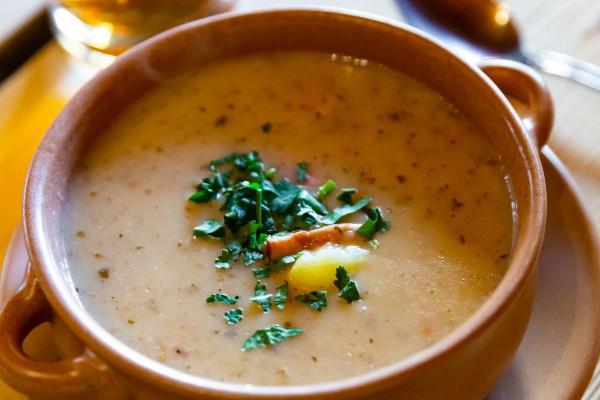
(478,29)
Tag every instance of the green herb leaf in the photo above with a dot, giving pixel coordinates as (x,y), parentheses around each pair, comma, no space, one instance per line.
(261,297)
(249,256)
(222,298)
(270,336)
(247,230)
(287,194)
(312,202)
(261,272)
(281,295)
(205,192)
(242,162)
(301,171)
(284,262)
(229,255)
(374,223)
(344,210)
(259,192)
(210,227)
(264,301)
(346,195)
(234,316)
(317,300)
(325,189)
(270,174)
(347,287)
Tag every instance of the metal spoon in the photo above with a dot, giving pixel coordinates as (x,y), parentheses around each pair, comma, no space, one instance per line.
(484,28)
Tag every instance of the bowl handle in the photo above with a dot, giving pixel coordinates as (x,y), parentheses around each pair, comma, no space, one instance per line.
(521,83)
(81,376)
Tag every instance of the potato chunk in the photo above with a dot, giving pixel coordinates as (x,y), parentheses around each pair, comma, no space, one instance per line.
(316,269)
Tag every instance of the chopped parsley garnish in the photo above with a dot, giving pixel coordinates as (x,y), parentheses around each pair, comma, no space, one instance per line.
(275,266)
(229,255)
(348,287)
(374,223)
(255,207)
(301,172)
(346,195)
(222,298)
(211,228)
(270,173)
(261,272)
(344,210)
(205,192)
(233,316)
(317,300)
(270,336)
(284,261)
(257,204)
(261,297)
(325,189)
(281,296)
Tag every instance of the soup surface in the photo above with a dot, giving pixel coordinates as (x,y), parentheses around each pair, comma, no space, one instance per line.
(140,272)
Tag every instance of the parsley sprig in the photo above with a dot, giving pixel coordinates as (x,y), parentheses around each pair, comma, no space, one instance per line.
(261,297)
(222,298)
(348,287)
(281,296)
(317,299)
(270,336)
(233,316)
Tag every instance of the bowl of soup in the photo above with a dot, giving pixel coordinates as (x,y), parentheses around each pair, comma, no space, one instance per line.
(300,204)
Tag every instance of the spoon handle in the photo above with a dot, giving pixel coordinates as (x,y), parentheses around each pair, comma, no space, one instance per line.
(565,66)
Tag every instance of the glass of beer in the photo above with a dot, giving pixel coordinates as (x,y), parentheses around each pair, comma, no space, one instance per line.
(98,30)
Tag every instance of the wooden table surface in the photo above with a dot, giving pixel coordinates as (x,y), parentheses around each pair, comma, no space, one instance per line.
(32,97)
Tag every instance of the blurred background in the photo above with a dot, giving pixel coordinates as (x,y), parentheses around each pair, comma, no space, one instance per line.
(49,49)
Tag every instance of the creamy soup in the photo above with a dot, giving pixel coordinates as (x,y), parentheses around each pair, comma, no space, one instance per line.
(141,273)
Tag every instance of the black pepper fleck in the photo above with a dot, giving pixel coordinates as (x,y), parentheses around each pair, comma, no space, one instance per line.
(266,127)
(221,121)
(456,204)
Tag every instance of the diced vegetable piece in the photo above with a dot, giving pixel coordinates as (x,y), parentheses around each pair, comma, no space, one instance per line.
(315,270)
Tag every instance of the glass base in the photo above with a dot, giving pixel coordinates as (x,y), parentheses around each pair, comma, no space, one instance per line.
(79,50)
(76,37)
(98,31)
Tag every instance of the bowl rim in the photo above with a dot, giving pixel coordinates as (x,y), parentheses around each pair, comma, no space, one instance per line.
(130,362)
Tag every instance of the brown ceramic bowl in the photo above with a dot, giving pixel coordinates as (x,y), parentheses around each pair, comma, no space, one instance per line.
(463,365)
